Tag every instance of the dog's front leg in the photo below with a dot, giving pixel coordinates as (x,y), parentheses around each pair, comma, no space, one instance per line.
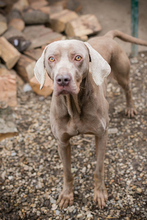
(100,192)
(66,197)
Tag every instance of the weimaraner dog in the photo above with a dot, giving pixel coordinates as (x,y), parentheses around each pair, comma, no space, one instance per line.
(79,71)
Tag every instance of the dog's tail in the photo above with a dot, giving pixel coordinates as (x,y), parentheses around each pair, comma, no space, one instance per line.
(114,33)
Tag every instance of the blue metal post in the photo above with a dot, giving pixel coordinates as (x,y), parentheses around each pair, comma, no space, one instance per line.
(134,24)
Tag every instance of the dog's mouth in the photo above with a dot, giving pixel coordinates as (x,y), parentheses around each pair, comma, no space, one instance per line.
(65,90)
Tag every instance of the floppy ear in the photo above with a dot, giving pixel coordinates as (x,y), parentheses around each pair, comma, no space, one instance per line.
(99,67)
(39,70)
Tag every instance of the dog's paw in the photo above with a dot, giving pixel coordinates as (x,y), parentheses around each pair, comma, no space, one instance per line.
(100,197)
(65,199)
(130,112)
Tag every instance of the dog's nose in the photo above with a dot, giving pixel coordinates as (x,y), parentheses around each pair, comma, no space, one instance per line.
(63,80)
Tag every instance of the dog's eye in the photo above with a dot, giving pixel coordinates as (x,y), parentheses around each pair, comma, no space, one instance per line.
(51,59)
(78,58)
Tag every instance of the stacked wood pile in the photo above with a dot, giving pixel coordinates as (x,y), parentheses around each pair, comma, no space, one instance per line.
(26,30)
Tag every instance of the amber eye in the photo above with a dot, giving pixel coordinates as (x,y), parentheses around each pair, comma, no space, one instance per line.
(51,59)
(78,58)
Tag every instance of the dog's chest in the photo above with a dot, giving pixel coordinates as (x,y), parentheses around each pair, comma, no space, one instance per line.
(86,124)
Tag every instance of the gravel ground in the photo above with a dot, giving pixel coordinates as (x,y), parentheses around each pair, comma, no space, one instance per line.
(31,171)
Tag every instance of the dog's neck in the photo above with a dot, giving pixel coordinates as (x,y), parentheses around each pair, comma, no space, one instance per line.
(74,103)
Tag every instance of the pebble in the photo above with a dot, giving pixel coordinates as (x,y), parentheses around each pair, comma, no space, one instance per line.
(13,153)
(139,190)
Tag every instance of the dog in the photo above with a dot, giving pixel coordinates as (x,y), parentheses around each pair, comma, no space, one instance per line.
(79,72)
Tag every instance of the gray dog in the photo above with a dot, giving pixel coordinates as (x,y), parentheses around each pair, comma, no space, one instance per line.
(79,71)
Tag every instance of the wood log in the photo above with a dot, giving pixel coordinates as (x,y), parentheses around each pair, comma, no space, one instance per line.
(8,87)
(8,53)
(74,5)
(40,35)
(47,88)
(15,20)
(19,80)
(45,10)
(32,16)
(12,32)
(84,25)
(3,24)
(34,53)
(58,6)
(7,123)
(20,5)
(25,67)
(38,4)
(17,23)
(59,20)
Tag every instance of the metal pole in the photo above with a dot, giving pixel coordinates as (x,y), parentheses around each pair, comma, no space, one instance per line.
(134,24)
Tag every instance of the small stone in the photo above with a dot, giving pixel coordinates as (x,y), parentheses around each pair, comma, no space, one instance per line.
(112,130)
(57,212)
(79,215)
(54,207)
(53,201)
(84,170)
(13,153)
(139,190)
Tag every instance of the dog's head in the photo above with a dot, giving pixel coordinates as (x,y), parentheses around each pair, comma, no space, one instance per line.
(67,63)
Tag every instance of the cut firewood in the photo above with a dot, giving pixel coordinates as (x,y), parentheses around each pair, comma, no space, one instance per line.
(59,20)
(7,122)
(58,6)
(32,16)
(40,35)
(20,5)
(47,88)
(34,31)
(38,4)
(3,24)
(12,32)
(74,5)
(15,20)
(25,67)
(84,25)
(45,10)
(34,53)
(19,81)
(8,87)
(8,53)
(17,23)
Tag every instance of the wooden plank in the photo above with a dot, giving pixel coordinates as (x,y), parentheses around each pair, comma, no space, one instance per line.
(8,53)
(59,20)
(84,25)
(25,67)
(3,24)
(47,88)
(8,87)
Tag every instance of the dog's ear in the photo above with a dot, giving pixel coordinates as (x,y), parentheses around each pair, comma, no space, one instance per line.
(39,70)
(99,67)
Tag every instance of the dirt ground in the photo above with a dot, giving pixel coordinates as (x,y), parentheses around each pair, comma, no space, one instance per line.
(31,174)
